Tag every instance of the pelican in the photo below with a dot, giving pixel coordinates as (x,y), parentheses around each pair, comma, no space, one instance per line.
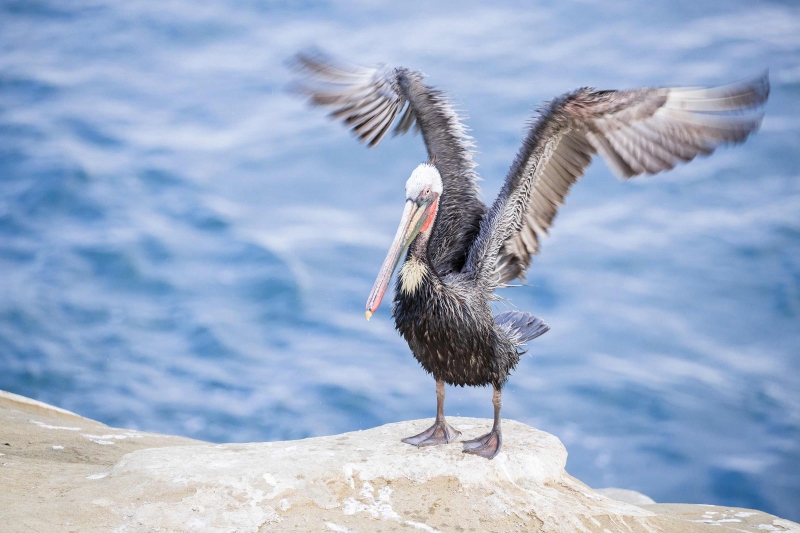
(459,251)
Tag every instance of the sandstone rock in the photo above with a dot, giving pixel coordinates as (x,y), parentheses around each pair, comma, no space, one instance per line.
(106,479)
(625,495)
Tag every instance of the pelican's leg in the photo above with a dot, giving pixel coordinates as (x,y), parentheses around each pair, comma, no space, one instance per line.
(488,445)
(440,432)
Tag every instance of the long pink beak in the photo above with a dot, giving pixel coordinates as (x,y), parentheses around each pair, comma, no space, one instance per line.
(411,222)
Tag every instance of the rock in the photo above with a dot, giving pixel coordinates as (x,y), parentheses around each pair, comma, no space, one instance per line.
(62,472)
(625,495)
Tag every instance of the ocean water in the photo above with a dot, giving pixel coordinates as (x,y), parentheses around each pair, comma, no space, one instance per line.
(185,247)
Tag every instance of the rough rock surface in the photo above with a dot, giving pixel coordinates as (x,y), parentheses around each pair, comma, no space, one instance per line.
(625,495)
(62,472)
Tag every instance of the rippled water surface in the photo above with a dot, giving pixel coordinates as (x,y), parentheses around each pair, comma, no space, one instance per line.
(187,248)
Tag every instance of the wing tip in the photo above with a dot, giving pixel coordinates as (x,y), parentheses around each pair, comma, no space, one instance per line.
(740,96)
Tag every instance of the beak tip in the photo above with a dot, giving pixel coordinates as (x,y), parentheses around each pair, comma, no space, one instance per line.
(368,314)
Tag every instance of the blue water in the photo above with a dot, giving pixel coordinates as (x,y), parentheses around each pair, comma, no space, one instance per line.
(187,248)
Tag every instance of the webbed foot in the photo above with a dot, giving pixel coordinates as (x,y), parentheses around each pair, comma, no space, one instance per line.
(439,433)
(487,446)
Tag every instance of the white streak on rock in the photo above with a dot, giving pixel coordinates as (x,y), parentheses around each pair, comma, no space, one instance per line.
(97,476)
(278,487)
(55,448)
(47,426)
(348,475)
(339,529)
(115,436)
(380,507)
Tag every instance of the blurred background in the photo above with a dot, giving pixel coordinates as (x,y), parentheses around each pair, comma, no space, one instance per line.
(185,247)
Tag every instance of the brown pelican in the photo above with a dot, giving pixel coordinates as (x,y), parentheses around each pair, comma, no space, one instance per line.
(460,251)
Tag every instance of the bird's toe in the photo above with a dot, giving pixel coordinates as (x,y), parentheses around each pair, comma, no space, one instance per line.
(487,446)
(439,433)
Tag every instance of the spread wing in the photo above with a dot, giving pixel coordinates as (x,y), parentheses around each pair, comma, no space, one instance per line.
(369,101)
(643,131)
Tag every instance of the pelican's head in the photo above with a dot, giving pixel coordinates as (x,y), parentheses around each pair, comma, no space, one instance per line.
(424,182)
(423,190)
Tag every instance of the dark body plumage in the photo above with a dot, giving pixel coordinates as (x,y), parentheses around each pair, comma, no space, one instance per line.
(452,333)
(442,304)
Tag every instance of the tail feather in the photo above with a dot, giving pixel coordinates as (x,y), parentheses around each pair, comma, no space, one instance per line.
(523,327)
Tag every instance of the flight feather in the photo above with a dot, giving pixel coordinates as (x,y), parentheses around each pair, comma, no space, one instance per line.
(369,100)
(641,131)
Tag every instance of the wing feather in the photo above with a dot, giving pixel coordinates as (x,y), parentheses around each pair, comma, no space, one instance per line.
(369,100)
(406,121)
(642,131)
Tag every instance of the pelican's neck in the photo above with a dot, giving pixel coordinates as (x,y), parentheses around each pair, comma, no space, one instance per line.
(419,247)
(417,267)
